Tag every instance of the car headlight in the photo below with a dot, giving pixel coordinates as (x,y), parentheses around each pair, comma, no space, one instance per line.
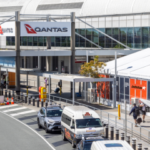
(50,121)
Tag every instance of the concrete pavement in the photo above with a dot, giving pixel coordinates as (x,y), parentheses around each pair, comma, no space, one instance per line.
(22,135)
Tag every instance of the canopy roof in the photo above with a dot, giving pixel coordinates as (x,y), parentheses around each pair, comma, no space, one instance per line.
(134,65)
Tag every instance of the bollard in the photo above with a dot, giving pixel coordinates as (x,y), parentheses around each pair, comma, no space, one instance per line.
(25,99)
(5,93)
(33,101)
(112,133)
(41,102)
(106,131)
(9,94)
(122,136)
(37,102)
(117,134)
(46,103)
(134,144)
(128,139)
(139,146)
(29,100)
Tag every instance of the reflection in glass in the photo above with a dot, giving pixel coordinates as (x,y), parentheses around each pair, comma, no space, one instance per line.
(24,41)
(115,35)
(123,36)
(35,41)
(52,41)
(45,39)
(102,38)
(108,40)
(30,41)
(82,41)
(77,38)
(63,41)
(130,37)
(95,37)
(88,36)
(40,41)
(137,37)
(145,32)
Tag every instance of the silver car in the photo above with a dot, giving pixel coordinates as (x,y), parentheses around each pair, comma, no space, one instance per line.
(50,118)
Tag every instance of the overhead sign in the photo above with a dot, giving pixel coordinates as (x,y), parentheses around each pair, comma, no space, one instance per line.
(45,29)
(7,29)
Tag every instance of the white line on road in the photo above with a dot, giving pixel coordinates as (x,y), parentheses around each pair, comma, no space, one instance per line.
(15,109)
(1,107)
(22,113)
(32,130)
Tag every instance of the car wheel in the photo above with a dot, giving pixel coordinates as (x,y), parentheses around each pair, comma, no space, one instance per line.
(46,129)
(39,124)
(73,144)
(63,136)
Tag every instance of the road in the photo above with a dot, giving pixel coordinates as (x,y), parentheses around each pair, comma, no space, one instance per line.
(19,131)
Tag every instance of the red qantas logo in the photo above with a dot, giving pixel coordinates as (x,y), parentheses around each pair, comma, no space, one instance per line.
(29,29)
(1,31)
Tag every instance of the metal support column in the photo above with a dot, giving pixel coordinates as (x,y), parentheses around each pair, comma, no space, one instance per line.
(48,44)
(39,62)
(73,93)
(27,82)
(0,82)
(72,40)
(125,105)
(115,79)
(49,88)
(7,79)
(25,62)
(38,84)
(17,48)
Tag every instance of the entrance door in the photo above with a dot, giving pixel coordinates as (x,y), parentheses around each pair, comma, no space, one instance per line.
(55,63)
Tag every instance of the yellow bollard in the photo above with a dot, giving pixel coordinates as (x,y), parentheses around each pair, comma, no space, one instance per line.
(27,90)
(119,113)
(60,90)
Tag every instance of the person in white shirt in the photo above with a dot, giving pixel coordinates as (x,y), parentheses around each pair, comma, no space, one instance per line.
(143,111)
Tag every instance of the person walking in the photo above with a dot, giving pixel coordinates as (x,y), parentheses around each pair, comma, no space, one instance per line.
(135,114)
(143,108)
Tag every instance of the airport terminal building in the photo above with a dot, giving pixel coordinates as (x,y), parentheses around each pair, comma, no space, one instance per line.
(126,21)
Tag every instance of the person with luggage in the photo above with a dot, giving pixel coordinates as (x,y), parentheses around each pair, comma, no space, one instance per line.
(135,113)
(143,109)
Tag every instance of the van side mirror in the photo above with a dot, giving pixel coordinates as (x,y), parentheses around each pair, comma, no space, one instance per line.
(72,127)
(104,125)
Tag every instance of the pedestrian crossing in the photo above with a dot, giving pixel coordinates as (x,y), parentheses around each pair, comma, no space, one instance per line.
(16,110)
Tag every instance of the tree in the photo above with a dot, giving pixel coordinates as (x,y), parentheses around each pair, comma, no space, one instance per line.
(91,69)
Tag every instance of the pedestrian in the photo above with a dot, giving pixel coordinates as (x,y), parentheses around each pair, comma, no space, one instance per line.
(143,108)
(45,82)
(135,113)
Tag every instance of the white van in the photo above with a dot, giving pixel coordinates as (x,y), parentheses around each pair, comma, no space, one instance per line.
(111,145)
(78,121)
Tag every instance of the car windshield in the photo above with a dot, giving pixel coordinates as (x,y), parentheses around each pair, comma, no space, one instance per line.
(86,123)
(54,113)
(87,146)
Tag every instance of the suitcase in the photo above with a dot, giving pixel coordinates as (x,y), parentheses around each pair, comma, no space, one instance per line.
(139,120)
(56,90)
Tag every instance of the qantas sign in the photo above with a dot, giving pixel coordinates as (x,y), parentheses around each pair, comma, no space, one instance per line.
(45,29)
(7,29)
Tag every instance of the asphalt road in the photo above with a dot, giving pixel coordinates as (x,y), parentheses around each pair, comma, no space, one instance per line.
(19,131)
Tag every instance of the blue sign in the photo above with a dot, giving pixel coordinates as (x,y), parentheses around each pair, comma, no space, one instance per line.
(7,62)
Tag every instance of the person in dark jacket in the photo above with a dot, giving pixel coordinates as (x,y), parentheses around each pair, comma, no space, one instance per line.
(134,114)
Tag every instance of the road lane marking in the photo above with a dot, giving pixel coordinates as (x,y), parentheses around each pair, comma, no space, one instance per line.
(15,109)
(8,106)
(22,113)
(32,130)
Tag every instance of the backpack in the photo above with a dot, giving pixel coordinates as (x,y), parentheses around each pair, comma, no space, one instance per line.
(139,120)
(137,111)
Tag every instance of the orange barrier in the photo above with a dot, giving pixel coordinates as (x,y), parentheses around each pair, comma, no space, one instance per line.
(12,101)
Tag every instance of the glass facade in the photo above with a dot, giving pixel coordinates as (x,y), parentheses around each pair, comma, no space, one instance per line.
(138,37)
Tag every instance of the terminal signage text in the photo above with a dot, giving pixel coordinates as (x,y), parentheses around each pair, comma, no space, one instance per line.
(45,29)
